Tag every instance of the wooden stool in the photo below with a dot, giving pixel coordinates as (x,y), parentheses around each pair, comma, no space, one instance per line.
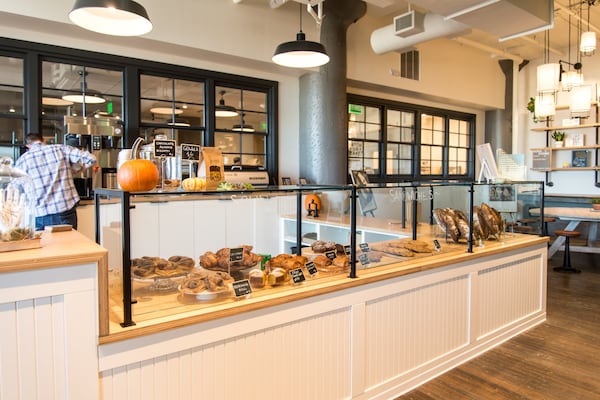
(522,228)
(566,267)
(546,220)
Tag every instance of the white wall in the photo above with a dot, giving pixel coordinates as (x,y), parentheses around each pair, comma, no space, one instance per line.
(223,36)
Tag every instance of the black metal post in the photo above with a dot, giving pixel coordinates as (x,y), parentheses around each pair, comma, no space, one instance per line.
(299,222)
(471,201)
(353,232)
(126,260)
(414,214)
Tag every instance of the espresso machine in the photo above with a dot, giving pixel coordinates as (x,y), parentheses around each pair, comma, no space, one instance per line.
(102,136)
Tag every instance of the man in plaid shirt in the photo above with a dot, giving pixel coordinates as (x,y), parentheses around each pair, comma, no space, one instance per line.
(50,167)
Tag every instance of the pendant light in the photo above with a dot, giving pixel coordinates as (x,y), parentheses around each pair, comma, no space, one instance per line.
(243,127)
(300,53)
(581,100)
(548,74)
(571,77)
(545,108)
(87,96)
(111,17)
(223,110)
(588,38)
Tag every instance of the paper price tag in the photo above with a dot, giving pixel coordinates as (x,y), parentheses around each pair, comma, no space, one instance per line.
(364,247)
(236,254)
(311,268)
(241,288)
(297,275)
(363,258)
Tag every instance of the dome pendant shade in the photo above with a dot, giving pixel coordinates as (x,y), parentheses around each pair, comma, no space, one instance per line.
(111,17)
(223,110)
(300,53)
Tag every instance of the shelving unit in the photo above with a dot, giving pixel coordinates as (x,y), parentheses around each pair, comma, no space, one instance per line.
(546,155)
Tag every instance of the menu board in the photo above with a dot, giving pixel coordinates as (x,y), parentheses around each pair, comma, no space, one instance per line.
(541,160)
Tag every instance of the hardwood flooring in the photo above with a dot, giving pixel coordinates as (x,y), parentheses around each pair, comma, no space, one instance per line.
(557,360)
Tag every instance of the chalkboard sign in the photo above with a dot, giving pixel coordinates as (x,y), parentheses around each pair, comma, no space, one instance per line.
(364,247)
(190,152)
(164,148)
(347,249)
(541,160)
(363,258)
(236,254)
(436,244)
(241,288)
(331,254)
(311,268)
(297,275)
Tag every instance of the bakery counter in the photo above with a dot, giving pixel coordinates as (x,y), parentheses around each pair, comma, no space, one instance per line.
(53,307)
(375,336)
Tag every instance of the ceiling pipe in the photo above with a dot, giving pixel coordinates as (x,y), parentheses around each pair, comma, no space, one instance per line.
(384,40)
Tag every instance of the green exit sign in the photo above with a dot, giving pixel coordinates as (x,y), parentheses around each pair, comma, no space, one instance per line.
(355,109)
(109,107)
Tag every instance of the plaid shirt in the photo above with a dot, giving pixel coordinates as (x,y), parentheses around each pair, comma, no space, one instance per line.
(50,168)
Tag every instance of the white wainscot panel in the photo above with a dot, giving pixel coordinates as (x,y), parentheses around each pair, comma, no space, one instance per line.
(509,292)
(314,354)
(413,327)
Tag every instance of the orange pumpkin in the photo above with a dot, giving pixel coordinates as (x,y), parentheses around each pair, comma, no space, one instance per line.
(137,175)
(310,198)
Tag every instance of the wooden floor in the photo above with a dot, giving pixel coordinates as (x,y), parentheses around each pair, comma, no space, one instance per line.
(557,360)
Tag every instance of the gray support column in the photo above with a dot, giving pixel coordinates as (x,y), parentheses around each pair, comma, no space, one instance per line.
(498,123)
(323,112)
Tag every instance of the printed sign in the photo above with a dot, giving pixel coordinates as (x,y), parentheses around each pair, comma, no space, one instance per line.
(331,254)
(363,258)
(236,254)
(436,244)
(364,247)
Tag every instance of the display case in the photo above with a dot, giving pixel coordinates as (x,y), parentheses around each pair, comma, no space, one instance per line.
(180,255)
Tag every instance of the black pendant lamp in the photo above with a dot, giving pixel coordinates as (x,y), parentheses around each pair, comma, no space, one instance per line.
(222,109)
(111,17)
(300,53)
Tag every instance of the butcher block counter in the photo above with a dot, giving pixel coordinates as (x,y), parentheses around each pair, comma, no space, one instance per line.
(53,307)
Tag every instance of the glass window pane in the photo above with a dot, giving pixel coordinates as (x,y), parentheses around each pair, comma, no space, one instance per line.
(436,167)
(373,132)
(372,115)
(438,138)
(355,148)
(453,140)
(408,119)
(393,134)
(426,137)
(438,123)
(371,149)
(408,135)
(394,118)
(356,130)
(436,153)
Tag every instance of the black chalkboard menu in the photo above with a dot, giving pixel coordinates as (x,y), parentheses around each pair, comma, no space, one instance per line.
(164,148)
(190,152)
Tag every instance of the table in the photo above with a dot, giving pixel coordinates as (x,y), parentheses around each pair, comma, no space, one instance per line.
(575,216)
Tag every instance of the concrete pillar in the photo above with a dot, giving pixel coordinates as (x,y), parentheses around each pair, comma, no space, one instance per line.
(498,123)
(323,112)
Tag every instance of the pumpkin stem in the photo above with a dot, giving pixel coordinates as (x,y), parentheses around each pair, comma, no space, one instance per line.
(135,149)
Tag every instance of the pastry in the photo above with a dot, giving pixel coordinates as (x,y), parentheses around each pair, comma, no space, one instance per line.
(321,261)
(277,276)
(321,246)
(257,278)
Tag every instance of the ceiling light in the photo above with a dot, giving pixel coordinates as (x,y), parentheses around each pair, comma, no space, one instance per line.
(111,17)
(166,110)
(547,77)
(545,106)
(243,127)
(89,98)
(581,100)
(223,110)
(55,101)
(178,122)
(300,53)
(588,43)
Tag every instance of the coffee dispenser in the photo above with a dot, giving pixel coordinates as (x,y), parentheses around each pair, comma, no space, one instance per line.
(103,138)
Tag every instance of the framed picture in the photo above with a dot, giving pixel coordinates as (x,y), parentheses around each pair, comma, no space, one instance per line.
(580,159)
(302,181)
(503,197)
(366,199)
(286,181)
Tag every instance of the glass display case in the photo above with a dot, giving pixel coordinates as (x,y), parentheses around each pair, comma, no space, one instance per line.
(175,254)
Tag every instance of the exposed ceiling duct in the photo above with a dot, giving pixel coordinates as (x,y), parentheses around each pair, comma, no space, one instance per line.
(436,26)
(504,19)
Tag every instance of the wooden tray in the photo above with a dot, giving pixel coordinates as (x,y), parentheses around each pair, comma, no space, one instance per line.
(26,244)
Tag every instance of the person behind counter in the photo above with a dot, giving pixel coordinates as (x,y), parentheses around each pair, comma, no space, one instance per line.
(50,167)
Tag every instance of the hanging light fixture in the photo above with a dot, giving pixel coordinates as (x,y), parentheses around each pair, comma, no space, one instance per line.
(300,53)
(87,96)
(111,17)
(548,74)
(544,106)
(571,77)
(223,110)
(243,127)
(587,45)
(581,100)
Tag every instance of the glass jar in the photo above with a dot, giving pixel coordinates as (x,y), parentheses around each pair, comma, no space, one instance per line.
(17,203)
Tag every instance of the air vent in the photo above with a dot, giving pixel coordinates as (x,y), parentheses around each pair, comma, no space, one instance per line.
(410,65)
(409,24)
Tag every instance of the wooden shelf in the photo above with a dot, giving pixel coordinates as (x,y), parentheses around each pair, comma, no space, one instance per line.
(564,148)
(560,128)
(566,169)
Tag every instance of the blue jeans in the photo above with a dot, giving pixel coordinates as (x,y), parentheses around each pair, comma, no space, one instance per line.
(68,217)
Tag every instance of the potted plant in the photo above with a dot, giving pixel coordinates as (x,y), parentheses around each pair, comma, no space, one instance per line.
(559,137)
(596,204)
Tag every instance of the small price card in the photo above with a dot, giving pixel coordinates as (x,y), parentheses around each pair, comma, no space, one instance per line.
(241,288)
(347,249)
(311,268)
(363,258)
(364,247)
(436,244)
(164,148)
(236,254)
(297,276)
(190,152)
(331,254)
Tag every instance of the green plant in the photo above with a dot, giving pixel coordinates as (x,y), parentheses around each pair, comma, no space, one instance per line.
(595,201)
(531,108)
(559,136)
